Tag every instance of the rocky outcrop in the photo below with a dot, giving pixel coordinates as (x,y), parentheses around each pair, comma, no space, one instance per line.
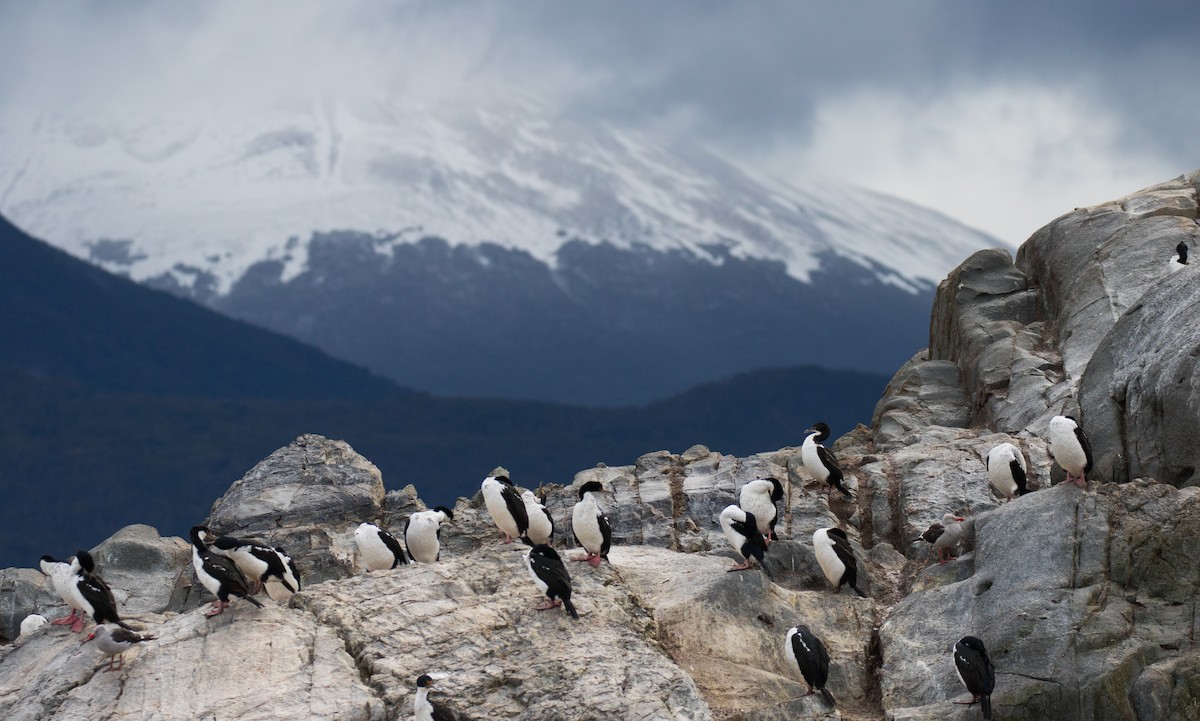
(246,664)
(1085,598)
(307,497)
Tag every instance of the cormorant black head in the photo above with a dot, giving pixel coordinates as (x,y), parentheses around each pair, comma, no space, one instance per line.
(776,489)
(505,480)
(974,644)
(447,511)
(822,431)
(85,561)
(424,681)
(589,487)
(198,535)
(47,559)
(835,531)
(1072,419)
(545,551)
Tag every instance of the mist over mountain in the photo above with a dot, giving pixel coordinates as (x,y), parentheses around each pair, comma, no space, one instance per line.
(511,251)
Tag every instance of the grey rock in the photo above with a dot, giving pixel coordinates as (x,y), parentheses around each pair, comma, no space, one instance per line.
(472,619)
(24,591)
(245,664)
(307,497)
(1141,390)
(146,572)
(1070,591)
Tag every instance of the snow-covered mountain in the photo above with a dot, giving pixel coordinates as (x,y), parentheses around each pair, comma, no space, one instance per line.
(506,231)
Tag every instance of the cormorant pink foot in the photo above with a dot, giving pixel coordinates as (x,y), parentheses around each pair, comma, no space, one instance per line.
(594,561)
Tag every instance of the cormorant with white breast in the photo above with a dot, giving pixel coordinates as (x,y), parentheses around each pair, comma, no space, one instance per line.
(281,589)
(423,534)
(379,549)
(1070,448)
(550,575)
(1006,470)
(218,574)
(541,523)
(590,526)
(805,652)
(976,673)
(256,561)
(505,507)
(741,530)
(820,461)
(759,498)
(836,558)
(426,710)
(61,575)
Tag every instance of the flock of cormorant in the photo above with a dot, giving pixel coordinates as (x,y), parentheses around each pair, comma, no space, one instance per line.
(235,567)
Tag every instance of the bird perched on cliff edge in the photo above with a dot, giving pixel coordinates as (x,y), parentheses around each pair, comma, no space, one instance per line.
(426,710)
(256,561)
(820,461)
(218,574)
(114,642)
(550,576)
(1006,470)
(1180,261)
(976,673)
(61,577)
(541,523)
(423,533)
(590,526)
(805,652)
(505,507)
(1069,447)
(281,589)
(944,536)
(741,530)
(836,558)
(379,549)
(759,497)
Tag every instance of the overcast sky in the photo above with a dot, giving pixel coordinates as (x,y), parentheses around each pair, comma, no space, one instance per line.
(1002,114)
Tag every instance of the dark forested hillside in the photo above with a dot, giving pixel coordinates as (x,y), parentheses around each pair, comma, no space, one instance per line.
(119,405)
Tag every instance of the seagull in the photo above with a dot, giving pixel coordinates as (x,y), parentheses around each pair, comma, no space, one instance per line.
(114,642)
(944,536)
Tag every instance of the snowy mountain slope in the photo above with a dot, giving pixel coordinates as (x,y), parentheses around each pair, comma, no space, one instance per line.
(500,252)
(211,196)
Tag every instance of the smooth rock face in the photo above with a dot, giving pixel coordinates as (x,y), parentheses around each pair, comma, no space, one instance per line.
(146,572)
(1076,596)
(306,497)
